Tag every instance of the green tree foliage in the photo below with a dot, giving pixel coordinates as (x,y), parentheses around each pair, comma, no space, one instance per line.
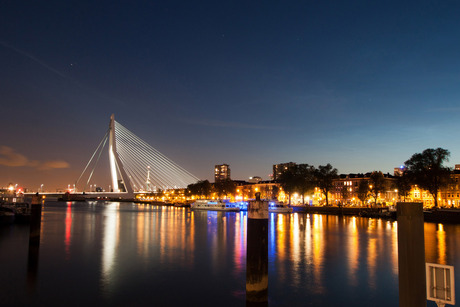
(225,187)
(305,179)
(403,184)
(275,192)
(363,191)
(200,189)
(345,193)
(426,170)
(288,182)
(377,185)
(324,176)
(299,178)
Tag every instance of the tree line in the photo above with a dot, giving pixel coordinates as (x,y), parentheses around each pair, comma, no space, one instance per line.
(204,188)
(425,170)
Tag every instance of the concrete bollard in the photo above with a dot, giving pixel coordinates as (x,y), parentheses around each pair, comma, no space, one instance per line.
(411,255)
(257,253)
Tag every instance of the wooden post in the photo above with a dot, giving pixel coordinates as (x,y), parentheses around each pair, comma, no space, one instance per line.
(35,220)
(34,240)
(411,255)
(257,253)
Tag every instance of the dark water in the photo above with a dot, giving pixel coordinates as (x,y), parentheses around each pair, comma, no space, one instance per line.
(122,254)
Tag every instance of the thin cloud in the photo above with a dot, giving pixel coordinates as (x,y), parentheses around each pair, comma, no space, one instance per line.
(53,164)
(9,157)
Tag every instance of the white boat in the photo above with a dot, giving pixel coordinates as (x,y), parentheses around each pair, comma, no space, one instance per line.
(214,205)
(278,207)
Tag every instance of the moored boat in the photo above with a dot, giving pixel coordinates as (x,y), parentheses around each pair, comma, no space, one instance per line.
(214,205)
(278,207)
(243,205)
(182,205)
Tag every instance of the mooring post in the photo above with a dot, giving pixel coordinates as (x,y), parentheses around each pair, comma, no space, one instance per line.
(257,253)
(411,255)
(35,219)
(34,240)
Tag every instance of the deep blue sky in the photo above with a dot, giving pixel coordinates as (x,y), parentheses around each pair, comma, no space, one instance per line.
(362,85)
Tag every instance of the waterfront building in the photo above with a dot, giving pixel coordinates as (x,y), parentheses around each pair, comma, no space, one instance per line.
(267,189)
(11,195)
(221,172)
(168,195)
(345,190)
(450,196)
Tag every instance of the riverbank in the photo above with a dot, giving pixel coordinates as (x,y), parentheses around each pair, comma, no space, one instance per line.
(354,211)
(434,216)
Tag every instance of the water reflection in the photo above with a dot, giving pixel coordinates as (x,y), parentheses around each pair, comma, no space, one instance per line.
(353,251)
(318,252)
(441,236)
(239,244)
(321,259)
(68,229)
(110,242)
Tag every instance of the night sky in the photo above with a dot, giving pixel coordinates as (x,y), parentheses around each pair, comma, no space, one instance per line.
(362,85)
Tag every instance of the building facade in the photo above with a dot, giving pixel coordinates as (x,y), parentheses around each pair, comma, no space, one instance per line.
(221,172)
(345,190)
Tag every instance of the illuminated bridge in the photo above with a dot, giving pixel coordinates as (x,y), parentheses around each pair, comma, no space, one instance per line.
(135,166)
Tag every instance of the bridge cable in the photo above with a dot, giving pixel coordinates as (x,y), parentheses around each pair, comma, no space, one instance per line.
(94,167)
(104,139)
(137,156)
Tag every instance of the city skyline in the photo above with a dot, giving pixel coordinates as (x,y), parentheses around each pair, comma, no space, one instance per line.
(361,86)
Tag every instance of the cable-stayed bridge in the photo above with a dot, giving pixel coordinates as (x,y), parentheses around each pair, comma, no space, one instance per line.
(135,166)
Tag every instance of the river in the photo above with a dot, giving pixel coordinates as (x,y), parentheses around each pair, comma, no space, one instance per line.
(125,254)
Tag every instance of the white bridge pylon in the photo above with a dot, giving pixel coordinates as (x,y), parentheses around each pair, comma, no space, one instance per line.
(135,166)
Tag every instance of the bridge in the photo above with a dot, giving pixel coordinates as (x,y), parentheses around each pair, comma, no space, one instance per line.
(135,166)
